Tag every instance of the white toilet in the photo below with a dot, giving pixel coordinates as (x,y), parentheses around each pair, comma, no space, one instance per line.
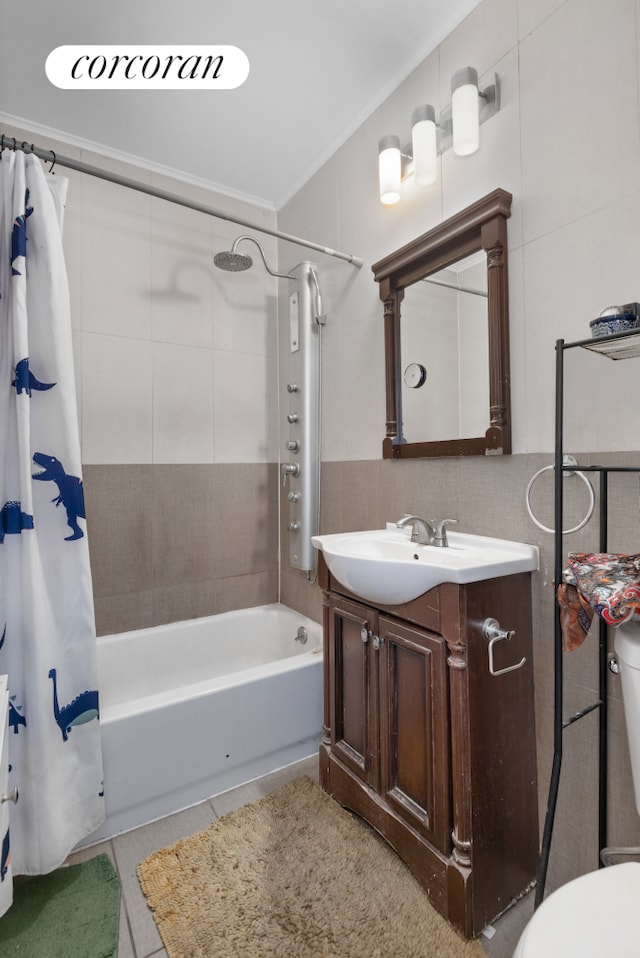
(598,915)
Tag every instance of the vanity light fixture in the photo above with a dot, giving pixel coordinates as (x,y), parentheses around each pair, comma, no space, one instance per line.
(389,169)
(465,111)
(458,126)
(424,145)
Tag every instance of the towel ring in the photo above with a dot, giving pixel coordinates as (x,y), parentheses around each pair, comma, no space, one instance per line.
(566,461)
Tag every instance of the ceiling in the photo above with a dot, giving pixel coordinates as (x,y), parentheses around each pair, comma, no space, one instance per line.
(318,68)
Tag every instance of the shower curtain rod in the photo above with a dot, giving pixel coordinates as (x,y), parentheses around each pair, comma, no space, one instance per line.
(49,156)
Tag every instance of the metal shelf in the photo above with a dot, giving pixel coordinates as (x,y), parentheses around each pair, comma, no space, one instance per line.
(617,346)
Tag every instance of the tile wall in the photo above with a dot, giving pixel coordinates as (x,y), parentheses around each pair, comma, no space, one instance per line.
(571,159)
(176,377)
(176,541)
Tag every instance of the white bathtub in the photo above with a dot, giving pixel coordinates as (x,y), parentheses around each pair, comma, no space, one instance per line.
(191,709)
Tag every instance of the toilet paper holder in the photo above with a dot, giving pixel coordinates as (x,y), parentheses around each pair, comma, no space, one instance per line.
(493,632)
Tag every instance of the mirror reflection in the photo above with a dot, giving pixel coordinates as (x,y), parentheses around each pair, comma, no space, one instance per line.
(445,302)
(444,353)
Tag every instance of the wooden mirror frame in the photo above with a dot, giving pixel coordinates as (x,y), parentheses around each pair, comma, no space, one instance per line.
(481,226)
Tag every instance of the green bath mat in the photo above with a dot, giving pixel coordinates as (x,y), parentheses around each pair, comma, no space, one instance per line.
(73,911)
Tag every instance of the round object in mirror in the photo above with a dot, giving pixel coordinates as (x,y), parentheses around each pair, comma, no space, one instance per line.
(415,375)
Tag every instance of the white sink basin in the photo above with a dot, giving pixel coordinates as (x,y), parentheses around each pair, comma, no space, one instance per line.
(384,566)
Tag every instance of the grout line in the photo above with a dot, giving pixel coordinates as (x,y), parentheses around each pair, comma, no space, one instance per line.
(123,900)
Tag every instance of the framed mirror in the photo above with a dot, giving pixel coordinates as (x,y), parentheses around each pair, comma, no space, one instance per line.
(446,327)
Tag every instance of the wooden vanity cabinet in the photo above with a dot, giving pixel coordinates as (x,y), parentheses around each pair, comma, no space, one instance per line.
(422,742)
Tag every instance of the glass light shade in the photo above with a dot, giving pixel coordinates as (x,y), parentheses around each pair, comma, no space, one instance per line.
(465,111)
(389,169)
(425,149)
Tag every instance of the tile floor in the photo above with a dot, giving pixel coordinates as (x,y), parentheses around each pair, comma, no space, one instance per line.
(139,937)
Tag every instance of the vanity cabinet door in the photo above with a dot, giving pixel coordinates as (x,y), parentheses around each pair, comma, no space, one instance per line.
(354,703)
(414,729)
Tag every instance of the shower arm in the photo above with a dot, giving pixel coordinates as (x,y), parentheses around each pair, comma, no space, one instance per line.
(235,261)
(264,258)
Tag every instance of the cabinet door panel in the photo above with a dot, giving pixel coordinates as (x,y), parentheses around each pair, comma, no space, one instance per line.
(354,698)
(414,729)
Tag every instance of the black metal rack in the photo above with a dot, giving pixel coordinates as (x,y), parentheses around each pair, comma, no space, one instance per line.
(617,346)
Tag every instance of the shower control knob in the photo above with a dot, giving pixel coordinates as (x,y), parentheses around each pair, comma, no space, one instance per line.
(11,797)
(293,526)
(293,445)
(294,497)
(292,417)
(290,469)
(292,387)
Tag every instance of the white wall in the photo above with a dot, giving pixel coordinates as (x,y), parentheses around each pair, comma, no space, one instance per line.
(566,144)
(571,160)
(176,361)
(190,350)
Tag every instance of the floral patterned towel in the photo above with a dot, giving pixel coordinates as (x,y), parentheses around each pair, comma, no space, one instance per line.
(597,582)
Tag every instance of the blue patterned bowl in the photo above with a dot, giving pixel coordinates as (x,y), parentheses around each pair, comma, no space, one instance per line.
(613,323)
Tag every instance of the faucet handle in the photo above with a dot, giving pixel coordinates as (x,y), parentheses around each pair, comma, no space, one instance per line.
(440,533)
(441,526)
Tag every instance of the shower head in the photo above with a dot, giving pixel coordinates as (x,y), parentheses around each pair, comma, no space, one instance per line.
(232,262)
(235,262)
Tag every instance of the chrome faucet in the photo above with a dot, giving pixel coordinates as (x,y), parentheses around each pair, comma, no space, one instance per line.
(421,530)
(427,533)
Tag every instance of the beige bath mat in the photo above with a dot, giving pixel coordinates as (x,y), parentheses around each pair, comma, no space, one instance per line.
(292,875)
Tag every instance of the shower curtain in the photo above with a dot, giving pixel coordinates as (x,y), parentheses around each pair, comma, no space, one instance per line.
(47,628)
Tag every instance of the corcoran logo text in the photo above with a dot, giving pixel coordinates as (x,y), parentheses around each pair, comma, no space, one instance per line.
(147,67)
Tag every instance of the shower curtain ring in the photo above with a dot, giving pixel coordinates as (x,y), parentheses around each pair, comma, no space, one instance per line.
(53,162)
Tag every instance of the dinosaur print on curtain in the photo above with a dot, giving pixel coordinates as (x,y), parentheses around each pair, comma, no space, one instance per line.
(48,647)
